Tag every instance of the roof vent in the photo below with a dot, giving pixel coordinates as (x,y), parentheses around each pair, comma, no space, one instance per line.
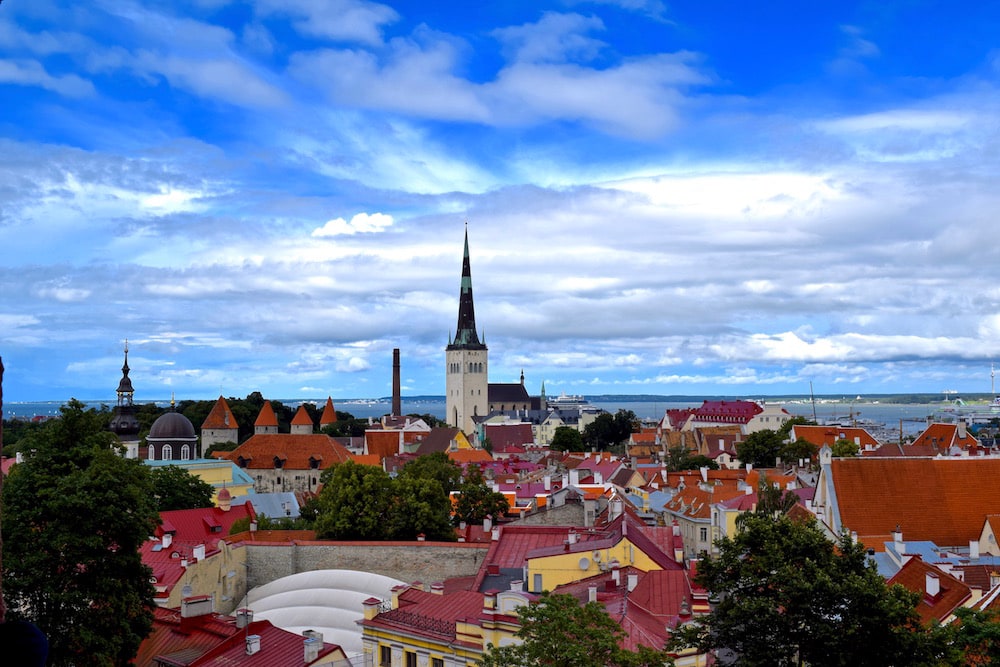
(253,644)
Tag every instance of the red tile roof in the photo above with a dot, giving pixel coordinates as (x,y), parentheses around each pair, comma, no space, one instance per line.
(507,438)
(383,443)
(266,416)
(942,500)
(735,412)
(464,456)
(221,416)
(944,436)
(296,452)
(302,417)
(828,435)
(278,648)
(329,415)
(183,639)
(951,594)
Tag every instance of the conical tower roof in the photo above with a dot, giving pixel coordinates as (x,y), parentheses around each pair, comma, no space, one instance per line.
(302,417)
(266,416)
(465,334)
(220,416)
(329,415)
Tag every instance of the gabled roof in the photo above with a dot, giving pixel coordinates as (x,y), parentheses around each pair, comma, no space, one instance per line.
(828,435)
(183,639)
(221,417)
(942,500)
(296,452)
(466,456)
(302,417)
(266,417)
(944,436)
(506,438)
(512,392)
(438,439)
(383,443)
(733,412)
(278,648)
(329,415)
(952,593)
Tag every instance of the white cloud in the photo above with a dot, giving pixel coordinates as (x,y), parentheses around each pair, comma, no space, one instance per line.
(554,38)
(361,223)
(340,20)
(28,73)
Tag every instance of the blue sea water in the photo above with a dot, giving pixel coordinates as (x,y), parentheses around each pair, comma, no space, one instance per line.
(910,418)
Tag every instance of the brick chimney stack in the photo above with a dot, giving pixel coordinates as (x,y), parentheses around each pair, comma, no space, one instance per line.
(397,408)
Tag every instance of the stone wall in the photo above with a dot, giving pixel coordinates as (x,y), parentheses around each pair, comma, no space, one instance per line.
(427,562)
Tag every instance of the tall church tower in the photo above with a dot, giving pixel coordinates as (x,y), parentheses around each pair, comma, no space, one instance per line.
(466,363)
(124,422)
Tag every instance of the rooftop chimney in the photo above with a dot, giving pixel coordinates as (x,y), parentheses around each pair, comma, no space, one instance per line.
(932,584)
(974,549)
(397,408)
(197,606)
(312,643)
(253,644)
(592,594)
(244,617)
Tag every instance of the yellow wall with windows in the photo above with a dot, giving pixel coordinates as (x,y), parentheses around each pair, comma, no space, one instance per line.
(566,568)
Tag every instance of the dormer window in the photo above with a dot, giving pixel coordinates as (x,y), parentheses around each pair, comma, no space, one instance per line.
(313,462)
(278,463)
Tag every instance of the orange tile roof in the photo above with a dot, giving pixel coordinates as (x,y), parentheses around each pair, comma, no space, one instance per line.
(295,451)
(266,416)
(942,500)
(329,415)
(302,417)
(462,456)
(220,416)
(827,435)
(382,443)
(367,459)
(944,436)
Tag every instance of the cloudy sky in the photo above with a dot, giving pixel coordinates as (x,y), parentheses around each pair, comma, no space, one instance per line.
(694,197)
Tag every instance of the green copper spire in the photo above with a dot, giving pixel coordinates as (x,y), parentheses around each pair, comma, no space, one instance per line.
(465,334)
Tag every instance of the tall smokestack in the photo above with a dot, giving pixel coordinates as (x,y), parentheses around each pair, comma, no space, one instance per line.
(397,401)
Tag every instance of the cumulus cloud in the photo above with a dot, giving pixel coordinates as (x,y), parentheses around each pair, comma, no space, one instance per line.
(361,223)
(340,20)
(27,73)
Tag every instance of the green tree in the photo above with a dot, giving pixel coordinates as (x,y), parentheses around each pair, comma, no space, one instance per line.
(760,448)
(355,504)
(609,430)
(476,500)
(680,457)
(557,631)
(75,515)
(772,501)
(786,595)
(420,506)
(437,466)
(786,429)
(174,488)
(567,439)
(845,448)
(797,449)
(974,638)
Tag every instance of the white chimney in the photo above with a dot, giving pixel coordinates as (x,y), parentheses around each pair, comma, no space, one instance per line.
(932,584)
(197,606)
(495,535)
(974,549)
(312,644)
(167,540)
(547,482)
(573,537)
(517,585)
(592,594)
(199,552)
(487,523)
(961,429)
(253,644)
(633,581)
(704,473)
(598,477)
(574,477)
(244,617)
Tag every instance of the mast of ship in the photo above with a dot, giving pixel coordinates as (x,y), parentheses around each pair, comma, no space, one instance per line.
(812,398)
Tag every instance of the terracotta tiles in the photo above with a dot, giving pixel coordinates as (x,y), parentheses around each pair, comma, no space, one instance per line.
(296,452)
(918,576)
(942,500)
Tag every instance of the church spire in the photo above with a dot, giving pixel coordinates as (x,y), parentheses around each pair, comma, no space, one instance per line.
(125,390)
(465,334)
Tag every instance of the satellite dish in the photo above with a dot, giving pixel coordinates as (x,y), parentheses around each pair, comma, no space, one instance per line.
(597,556)
(584,563)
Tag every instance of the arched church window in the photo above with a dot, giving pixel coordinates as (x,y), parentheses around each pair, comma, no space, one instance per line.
(167,453)
(185,452)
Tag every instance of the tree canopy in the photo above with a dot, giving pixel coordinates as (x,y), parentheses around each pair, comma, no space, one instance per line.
(477,500)
(174,488)
(845,448)
(609,430)
(75,515)
(786,595)
(760,448)
(557,631)
(567,439)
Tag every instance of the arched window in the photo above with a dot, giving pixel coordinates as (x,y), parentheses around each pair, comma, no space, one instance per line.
(151,454)
(185,452)
(167,453)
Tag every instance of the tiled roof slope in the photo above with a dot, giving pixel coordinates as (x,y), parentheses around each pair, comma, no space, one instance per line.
(302,417)
(278,648)
(329,415)
(952,592)
(944,436)
(266,417)
(220,416)
(943,500)
(828,435)
(295,451)
(439,439)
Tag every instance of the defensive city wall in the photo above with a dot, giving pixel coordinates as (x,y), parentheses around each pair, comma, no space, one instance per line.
(427,562)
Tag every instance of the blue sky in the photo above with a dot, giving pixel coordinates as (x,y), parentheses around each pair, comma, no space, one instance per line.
(697,197)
